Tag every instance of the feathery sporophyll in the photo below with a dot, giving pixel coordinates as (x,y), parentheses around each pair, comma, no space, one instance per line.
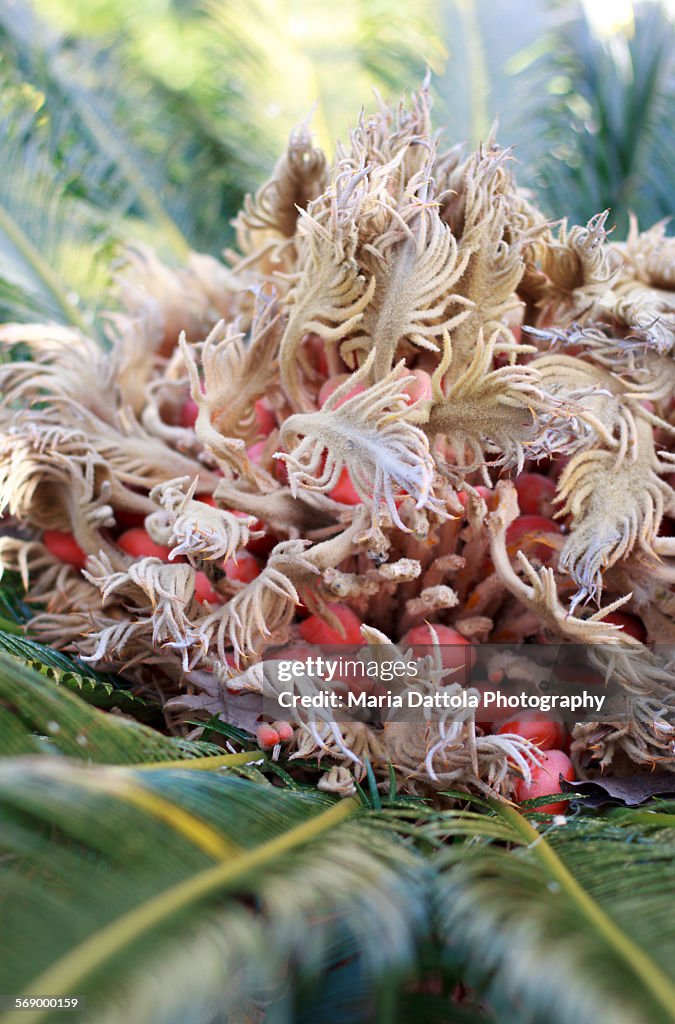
(406,398)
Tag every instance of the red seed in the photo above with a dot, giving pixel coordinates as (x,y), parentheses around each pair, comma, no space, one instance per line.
(344,490)
(530,526)
(139,544)
(256,453)
(264,416)
(545,781)
(281,472)
(267,736)
(535,494)
(204,591)
(546,734)
(421,388)
(456,651)
(631,624)
(486,494)
(316,349)
(189,413)
(244,569)
(284,731)
(496,714)
(207,499)
(64,547)
(315,631)
(129,519)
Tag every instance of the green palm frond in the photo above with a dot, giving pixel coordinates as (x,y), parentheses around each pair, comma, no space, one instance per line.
(14,612)
(236,78)
(231,892)
(93,155)
(569,922)
(90,121)
(486,39)
(597,119)
(95,688)
(47,238)
(590,120)
(242,898)
(37,715)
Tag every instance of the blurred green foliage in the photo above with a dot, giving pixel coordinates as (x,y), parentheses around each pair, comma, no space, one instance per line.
(600,116)
(150,121)
(245,72)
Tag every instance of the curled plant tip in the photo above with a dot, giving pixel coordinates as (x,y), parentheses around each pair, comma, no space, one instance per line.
(415,264)
(578,267)
(328,298)
(370,436)
(242,373)
(648,256)
(64,365)
(311,437)
(214,366)
(493,250)
(161,590)
(271,217)
(615,509)
(263,607)
(27,559)
(538,590)
(500,416)
(116,643)
(337,780)
(196,530)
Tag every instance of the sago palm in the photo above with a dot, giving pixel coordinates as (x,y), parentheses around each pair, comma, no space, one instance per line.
(169,852)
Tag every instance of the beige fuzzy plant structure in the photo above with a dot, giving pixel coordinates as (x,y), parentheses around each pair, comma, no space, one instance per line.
(546,348)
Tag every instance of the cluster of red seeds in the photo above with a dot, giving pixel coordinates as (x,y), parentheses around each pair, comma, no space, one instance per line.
(536,492)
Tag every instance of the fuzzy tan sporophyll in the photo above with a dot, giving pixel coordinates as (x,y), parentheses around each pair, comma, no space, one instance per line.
(406,398)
